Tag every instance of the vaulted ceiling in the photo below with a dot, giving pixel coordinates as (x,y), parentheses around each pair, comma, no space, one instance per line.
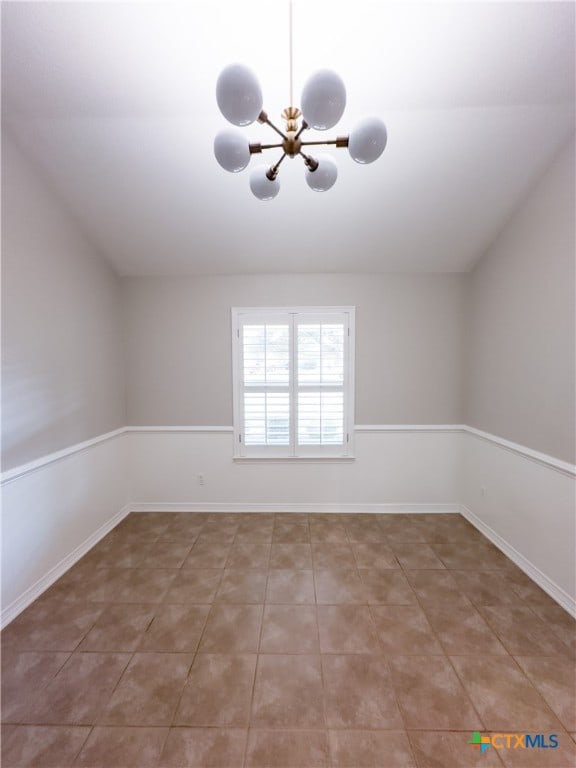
(115,105)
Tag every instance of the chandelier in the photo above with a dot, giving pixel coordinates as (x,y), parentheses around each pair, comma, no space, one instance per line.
(323,100)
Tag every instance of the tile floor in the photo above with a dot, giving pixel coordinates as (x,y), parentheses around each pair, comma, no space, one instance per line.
(292,641)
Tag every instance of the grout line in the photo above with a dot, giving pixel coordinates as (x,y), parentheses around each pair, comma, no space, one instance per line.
(356,569)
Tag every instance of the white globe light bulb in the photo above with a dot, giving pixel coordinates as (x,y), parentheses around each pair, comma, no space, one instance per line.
(324,176)
(323,99)
(367,140)
(238,94)
(260,184)
(232,151)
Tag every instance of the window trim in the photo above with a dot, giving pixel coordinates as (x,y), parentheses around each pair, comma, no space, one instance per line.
(306,453)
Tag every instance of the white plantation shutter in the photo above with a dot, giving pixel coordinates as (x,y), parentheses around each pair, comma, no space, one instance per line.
(293,386)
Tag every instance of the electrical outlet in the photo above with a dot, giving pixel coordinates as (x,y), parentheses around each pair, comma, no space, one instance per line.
(483,491)
(201,479)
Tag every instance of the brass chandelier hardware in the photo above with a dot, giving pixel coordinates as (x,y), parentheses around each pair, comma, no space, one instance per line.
(323,101)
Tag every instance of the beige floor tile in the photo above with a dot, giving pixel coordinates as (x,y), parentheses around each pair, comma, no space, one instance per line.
(327,533)
(358,693)
(333,556)
(404,629)
(291,533)
(462,630)
(78,693)
(232,629)
(436,587)
(166,554)
(555,679)
(218,691)
(485,587)
(416,556)
(175,628)
(208,553)
(502,695)
(371,749)
(290,586)
(51,626)
(119,627)
(286,555)
(242,586)
(430,694)
(563,756)
(194,586)
(126,747)
(334,587)
(288,749)
(445,749)
(131,585)
(347,629)
(366,533)
(559,621)
(41,746)
(521,631)
(204,748)
(289,629)
(196,639)
(288,692)
(149,690)
(387,587)
(247,553)
(374,556)
(23,676)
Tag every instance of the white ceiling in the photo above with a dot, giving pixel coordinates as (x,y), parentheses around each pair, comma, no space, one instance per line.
(115,103)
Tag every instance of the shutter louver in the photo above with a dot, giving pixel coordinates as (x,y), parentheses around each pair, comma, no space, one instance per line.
(293,381)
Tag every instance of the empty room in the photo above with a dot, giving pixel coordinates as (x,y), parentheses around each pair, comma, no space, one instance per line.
(288,384)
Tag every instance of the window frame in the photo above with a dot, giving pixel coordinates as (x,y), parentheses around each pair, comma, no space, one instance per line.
(293,452)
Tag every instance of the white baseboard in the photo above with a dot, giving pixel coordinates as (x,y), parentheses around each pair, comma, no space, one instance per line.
(301,507)
(550,587)
(11,611)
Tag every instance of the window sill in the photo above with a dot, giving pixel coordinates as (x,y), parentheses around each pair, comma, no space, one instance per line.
(293,459)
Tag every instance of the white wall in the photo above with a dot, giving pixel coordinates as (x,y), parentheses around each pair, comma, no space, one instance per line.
(409,331)
(520,359)
(62,354)
(62,383)
(52,515)
(520,385)
(393,470)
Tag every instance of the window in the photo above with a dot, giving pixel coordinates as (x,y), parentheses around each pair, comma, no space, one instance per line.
(293,381)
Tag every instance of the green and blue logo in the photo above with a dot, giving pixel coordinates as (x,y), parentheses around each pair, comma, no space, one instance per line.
(513,741)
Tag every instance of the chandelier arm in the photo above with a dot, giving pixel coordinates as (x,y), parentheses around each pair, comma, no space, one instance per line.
(302,129)
(341,141)
(310,162)
(271,124)
(273,171)
(256,147)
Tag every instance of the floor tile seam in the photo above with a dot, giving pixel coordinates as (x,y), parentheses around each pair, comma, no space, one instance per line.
(141,650)
(53,676)
(533,686)
(164,601)
(322,678)
(167,736)
(474,653)
(568,653)
(425,762)
(255,677)
(100,713)
(464,688)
